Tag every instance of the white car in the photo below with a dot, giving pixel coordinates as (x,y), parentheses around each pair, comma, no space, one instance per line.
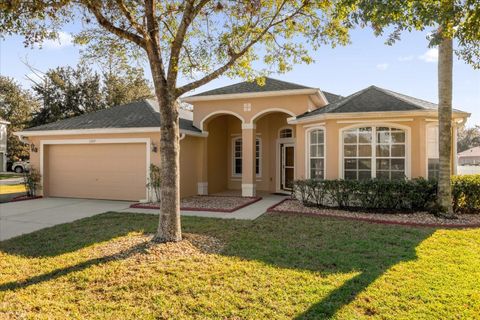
(21,166)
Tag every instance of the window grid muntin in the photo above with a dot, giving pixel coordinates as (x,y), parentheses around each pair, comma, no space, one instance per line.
(316,171)
(238,154)
(373,137)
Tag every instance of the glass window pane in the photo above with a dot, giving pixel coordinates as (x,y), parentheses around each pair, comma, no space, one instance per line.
(383,137)
(398,175)
(350,175)
(383,150)
(316,168)
(364,164)
(350,164)
(383,175)
(313,137)
(365,137)
(383,164)
(350,151)
(398,164)
(398,137)
(365,150)
(398,150)
(350,137)
(364,175)
(320,151)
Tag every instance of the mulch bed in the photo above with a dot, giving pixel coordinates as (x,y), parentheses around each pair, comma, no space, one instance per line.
(24,198)
(410,219)
(215,203)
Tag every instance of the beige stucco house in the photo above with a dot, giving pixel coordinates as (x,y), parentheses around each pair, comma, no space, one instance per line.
(245,137)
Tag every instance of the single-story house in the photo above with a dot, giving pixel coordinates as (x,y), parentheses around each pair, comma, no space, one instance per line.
(245,137)
(3,144)
(469,157)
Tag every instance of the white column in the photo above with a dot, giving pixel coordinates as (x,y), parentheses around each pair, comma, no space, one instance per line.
(248,160)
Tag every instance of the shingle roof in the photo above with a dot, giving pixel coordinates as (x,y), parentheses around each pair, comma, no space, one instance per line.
(373,99)
(139,114)
(249,87)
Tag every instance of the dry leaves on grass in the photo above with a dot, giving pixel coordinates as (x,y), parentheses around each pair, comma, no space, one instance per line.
(141,247)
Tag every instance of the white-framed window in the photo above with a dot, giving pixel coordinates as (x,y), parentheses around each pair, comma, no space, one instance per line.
(374,152)
(433,159)
(316,153)
(238,153)
(286,132)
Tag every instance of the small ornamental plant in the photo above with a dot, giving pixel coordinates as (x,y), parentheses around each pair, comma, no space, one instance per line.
(32,179)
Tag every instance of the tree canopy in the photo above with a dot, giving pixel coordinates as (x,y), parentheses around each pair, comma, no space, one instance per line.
(16,106)
(67,92)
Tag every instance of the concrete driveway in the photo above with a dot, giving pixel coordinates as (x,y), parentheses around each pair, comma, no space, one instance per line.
(22,217)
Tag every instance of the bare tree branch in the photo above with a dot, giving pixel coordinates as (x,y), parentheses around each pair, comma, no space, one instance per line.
(153,47)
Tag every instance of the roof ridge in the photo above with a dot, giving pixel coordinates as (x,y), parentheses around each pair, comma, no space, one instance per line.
(348,98)
(403,97)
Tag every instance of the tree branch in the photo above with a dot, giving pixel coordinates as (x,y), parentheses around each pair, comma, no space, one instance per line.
(104,22)
(189,14)
(235,56)
(128,14)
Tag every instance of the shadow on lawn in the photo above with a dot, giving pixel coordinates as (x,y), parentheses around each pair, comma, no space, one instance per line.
(321,245)
(328,246)
(70,237)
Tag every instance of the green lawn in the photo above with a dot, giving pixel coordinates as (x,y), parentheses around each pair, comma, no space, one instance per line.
(277,267)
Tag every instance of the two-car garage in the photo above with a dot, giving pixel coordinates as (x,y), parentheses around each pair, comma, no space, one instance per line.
(114,170)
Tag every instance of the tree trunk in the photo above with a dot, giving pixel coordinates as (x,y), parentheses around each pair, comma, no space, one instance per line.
(169,227)
(445,66)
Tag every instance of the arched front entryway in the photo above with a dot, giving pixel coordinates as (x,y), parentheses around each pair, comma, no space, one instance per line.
(222,171)
(278,150)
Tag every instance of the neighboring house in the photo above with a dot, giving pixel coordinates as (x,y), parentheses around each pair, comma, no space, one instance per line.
(3,144)
(245,137)
(469,157)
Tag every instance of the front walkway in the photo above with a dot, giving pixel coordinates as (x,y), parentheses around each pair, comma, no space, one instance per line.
(249,212)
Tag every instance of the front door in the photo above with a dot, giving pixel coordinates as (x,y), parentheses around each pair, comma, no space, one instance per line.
(287,165)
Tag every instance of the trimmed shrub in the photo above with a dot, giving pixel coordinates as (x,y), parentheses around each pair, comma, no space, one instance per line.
(154,182)
(376,195)
(466,193)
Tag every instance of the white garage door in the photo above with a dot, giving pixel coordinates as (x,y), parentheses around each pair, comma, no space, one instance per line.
(114,171)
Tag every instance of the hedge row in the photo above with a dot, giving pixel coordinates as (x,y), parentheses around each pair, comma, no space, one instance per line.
(383,195)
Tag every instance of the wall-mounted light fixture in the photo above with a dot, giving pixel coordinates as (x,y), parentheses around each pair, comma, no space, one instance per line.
(33,148)
(154,147)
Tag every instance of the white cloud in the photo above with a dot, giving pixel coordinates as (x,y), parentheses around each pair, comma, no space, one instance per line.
(64,40)
(382,66)
(430,56)
(406,58)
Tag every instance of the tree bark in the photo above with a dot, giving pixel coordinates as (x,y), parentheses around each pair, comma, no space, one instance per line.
(445,66)
(169,227)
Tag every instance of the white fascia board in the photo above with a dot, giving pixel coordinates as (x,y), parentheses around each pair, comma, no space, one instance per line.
(251,95)
(100,131)
(366,115)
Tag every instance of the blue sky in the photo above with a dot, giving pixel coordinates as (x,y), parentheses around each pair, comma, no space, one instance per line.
(408,67)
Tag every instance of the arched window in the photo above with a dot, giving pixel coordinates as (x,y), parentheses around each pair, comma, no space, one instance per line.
(285,133)
(237,156)
(374,152)
(316,153)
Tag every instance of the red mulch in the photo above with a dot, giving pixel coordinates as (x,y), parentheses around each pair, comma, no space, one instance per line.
(250,200)
(417,219)
(24,198)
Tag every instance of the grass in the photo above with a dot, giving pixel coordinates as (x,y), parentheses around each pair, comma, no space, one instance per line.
(15,188)
(276,267)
